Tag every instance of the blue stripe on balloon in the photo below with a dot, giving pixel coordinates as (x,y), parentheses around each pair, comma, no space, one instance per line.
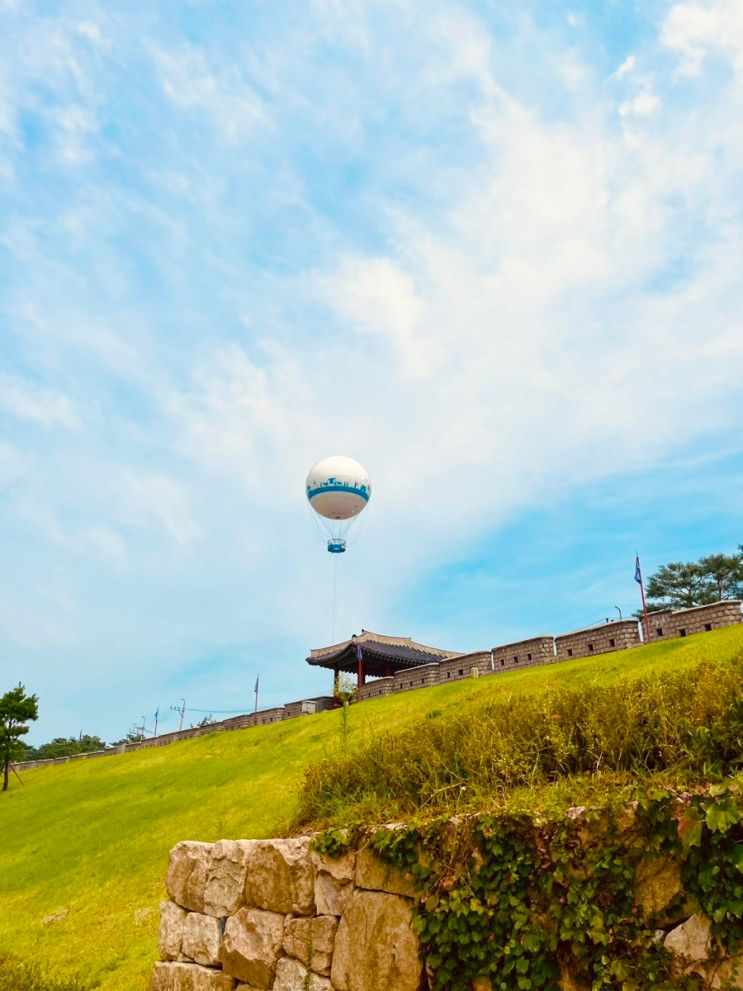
(322,489)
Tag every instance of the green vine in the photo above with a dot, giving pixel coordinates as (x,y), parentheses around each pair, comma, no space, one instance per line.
(520,902)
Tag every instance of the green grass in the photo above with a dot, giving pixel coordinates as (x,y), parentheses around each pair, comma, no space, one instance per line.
(87,842)
(17,975)
(687,723)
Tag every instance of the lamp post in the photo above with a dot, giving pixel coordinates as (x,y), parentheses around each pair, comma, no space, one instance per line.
(619,611)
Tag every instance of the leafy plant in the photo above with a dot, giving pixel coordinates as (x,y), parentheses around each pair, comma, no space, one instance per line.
(526,900)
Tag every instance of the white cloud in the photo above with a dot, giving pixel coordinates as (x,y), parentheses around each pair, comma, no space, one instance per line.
(91,31)
(77,126)
(228,102)
(377,296)
(36,404)
(626,68)
(12,463)
(695,29)
(644,104)
(155,497)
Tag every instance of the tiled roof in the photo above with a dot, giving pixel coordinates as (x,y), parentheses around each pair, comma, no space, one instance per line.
(403,650)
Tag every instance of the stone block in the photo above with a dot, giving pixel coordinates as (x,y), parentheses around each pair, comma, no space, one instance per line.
(311,941)
(333,881)
(728,976)
(375,874)
(201,938)
(281,876)
(658,883)
(690,944)
(251,946)
(225,885)
(291,975)
(172,917)
(331,895)
(188,870)
(341,868)
(690,940)
(375,947)
(189,977)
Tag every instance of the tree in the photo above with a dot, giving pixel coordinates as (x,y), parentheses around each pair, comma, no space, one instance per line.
(681,585)
(676,585)
(134,735)
(16,709)
(206,721)
(723,575)
(62,746)
(344,692)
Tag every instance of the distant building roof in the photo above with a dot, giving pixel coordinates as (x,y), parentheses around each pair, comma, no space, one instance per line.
(382,655)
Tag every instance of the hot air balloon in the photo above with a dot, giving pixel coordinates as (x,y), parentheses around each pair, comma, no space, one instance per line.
(338,489)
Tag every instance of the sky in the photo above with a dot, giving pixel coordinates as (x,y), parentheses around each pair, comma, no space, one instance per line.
(493,251)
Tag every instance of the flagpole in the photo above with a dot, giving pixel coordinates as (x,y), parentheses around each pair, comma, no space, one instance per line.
(645,620)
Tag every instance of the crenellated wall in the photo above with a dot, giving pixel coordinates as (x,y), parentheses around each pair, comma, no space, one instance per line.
(667,624)
(465,666)
(525,653)
(617,635)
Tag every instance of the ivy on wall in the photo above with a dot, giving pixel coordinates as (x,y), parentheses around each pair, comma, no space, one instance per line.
(523,901)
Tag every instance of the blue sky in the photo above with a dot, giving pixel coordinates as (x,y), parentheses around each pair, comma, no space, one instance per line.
(493,253)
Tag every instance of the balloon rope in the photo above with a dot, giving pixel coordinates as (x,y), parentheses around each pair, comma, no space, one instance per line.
(335,590)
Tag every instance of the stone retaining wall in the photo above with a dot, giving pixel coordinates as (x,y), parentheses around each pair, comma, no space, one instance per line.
(274,915)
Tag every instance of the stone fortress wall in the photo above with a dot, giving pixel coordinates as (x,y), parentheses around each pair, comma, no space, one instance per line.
(601,639)
(276,915)
(604,638)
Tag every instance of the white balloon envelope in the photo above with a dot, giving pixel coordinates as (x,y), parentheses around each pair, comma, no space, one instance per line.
(338,489)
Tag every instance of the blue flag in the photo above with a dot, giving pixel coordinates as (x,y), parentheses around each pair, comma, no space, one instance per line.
(638,573)
(255,690)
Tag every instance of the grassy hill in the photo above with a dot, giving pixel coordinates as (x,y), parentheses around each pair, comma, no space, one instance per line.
(85,844)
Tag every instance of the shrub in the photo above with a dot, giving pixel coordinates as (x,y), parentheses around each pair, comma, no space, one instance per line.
(690,720)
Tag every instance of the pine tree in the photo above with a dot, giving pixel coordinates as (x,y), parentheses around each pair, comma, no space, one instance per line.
(16,709)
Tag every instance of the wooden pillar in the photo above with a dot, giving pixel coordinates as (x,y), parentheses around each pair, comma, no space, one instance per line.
(336,685)
(361,673)
(388,671)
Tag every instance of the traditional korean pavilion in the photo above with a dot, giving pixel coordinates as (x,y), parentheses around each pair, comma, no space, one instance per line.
(375,655)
